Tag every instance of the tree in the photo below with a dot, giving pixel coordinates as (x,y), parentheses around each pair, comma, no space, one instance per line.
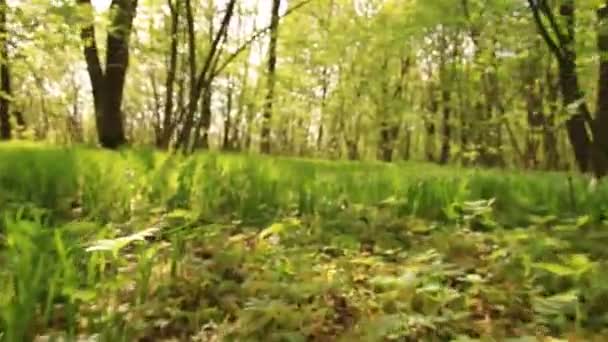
(386,80)
(5,77)
(586,134)
(271,77)
(108,83)
(200,84)
(168,124)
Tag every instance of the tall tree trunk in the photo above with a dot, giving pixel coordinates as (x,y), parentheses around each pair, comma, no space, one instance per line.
(168,124)
(495,110)
(532,91)
(5,78)
(550,142)
(390,125)
(227,143)
(352,149)
(184,136)
(201,133)
(536,120)
(271,75)
(576,125)
(324,93)
(385,149)
(108,85)
(242,107)
(445,79)
(407,148)
(155,107)
(446,131)
(249,121)
(562,46)
(463,119)
(429,124)
(201,84)
(600,124)
(388,133)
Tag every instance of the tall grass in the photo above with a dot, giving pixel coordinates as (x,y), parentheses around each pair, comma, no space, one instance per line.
(109,186)
(54,202)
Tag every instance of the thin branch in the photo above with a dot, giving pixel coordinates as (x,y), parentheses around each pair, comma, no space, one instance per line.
(543,31)
(553,22)
(256,35)
(202,78)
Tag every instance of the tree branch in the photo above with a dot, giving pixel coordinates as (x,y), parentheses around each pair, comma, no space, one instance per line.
(202,77)
(87,34)
(256,35)
(555,49)
(561,39)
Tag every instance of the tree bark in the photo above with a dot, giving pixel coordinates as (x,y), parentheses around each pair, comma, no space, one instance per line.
(201,133)
(271,75)
(600,125)
(168,122)
(201,83)
(446,130)
(549,136)
(194,95)
(5,78)
(108,86)
(227,142)
(445,78)
(429,124)
(563,48)
(324,93)
(389,125)
(242,99)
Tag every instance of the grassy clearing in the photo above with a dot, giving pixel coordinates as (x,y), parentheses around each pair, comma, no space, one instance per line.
(144,246)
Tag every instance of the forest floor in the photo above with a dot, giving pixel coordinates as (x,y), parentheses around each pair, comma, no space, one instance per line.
(143,246)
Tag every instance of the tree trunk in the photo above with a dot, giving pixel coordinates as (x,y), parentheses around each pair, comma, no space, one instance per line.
(242,106)
(408,144)
(5,78)
(168,124)
(184,135)
(429,124)
(227,143)
(390,125)
(464,129)
(563,48)
(201,84)
(445,80)
(535,119)
(108,86)
(446,133)
(324,92)
(272,64)
(579,114)
(600,125)
(352,149)
(388,134)
(495,109)
(155,107)
(201,134)
(550,142)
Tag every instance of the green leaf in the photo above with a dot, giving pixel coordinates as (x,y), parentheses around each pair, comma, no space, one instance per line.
(557,269)
(275,228)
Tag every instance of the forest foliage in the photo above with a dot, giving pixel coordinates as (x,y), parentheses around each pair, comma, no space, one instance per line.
(303,170)
(493,83)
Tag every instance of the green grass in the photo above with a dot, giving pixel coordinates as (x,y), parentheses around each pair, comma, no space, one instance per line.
(135,244)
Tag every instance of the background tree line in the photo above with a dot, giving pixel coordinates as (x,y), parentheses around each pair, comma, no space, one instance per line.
(477,82)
